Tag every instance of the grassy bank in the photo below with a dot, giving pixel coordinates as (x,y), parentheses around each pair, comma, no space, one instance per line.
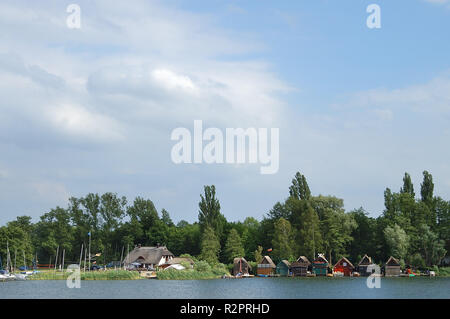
(90,275)
(173,274)
(202,270)
(443,271)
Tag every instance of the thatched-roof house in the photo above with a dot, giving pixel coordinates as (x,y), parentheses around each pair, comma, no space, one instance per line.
(320,265)
(266,267)
(241,266)
(300,267)
(363,265)
(148,257)
(283,268)
(392,267)
(344,266)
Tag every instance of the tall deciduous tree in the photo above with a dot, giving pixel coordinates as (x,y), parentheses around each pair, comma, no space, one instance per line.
(408,186)
(209,212)
(299,188)
(397,241)
(427,188)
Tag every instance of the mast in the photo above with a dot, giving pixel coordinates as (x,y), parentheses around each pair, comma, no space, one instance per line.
(81,256)
(24,262)
(56,258)
(89,251)
(15,259)
(8,258)
(64,251)
(121,257)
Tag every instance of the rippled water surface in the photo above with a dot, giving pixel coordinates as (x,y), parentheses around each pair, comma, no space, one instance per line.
(232,288)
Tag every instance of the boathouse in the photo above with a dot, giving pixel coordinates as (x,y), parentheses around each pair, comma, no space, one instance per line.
(283,268)
(300,267)
(363,266)
(344,266)
(392,267)
(147,257)
(320,265)
(241,266)
(266,267)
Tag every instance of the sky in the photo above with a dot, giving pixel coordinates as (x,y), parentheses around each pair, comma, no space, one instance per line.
(91,109)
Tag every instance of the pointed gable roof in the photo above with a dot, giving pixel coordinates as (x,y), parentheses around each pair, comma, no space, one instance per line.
(392,262)
(304,260)
(343,259)
(268,260)
(366,260)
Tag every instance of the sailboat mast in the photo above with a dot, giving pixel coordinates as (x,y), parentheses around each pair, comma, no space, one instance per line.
(56,258)
(62,264)
(81,255)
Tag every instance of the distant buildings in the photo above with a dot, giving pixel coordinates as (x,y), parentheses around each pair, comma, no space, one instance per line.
(300,267)
(266,267)
(147,257)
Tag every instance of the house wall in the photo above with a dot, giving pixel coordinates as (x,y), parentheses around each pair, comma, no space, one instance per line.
(299,271)
(282,270)
(320,270)
(392,271)
(264,271)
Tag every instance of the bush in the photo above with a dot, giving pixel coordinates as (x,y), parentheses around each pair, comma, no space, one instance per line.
(202,266)
(417,261)
(220,270)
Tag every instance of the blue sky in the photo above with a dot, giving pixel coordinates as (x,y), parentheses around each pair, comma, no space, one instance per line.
(92,109)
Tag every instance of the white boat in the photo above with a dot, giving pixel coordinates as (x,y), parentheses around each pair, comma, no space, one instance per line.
(20,277)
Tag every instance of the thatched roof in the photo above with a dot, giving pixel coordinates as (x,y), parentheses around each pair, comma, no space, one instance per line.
(343,259)
(304,260)
(366,260)
(242,260)
(268,260)
(392,262)
(147,255)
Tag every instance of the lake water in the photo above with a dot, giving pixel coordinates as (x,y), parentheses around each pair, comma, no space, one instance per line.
(268,288)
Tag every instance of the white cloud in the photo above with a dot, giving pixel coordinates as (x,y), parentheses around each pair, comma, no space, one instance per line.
(78,121)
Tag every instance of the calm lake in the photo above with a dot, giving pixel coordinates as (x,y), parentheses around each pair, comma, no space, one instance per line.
(270,288)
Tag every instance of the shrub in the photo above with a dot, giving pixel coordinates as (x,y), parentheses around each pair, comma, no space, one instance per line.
(202,266)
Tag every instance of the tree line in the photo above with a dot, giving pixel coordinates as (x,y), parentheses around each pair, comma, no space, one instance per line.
(414,229)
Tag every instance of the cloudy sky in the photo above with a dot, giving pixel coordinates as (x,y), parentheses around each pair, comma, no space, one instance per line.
(92,109)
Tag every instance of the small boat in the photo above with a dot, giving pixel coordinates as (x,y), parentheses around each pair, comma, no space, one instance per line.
(356,274)
(336,274)
(20,277)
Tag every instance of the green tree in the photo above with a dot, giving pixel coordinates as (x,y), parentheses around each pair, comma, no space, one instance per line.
(210,246)
(310,238)
(408,186)
(397,241)
(299,188)
(209,211)
(427,188)
(283,243)
(433,247)
(258,254)
(233,246)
